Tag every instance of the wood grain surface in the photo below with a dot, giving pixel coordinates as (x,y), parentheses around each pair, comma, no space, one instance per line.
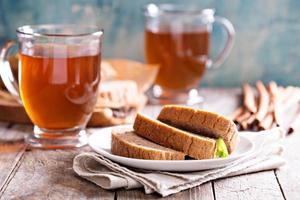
(38,174)
(203,192)
(262,185)
(49,175)
(289,176)
(12,148)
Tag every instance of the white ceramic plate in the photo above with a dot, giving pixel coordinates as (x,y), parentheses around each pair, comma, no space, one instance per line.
(100,142)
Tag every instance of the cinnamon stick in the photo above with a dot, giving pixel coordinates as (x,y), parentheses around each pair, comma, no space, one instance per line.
(249,98)
(243,116)
(263,102)
(267,122)
(244,124)
(8,102)
(242,119)
(274,103)
(273,90)
(6,95)
(236,113)
(250,121)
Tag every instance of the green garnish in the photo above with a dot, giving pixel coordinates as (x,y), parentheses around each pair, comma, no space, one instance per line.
(221,151)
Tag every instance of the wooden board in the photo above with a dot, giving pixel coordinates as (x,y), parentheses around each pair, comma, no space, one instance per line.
(13,112)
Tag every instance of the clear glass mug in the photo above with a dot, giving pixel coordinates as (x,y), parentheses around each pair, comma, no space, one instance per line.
(178,39)
(59,75)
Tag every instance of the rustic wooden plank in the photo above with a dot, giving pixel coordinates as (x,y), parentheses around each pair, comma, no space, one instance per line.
(289,176)
(3,156)
(12,149)
(11,111)
(203,192)
(49,175)
(262,185)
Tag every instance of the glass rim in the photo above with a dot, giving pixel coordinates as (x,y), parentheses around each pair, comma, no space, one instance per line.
(153,10)
(31,30)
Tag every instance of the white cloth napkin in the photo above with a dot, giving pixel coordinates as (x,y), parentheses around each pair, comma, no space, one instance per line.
(110,175)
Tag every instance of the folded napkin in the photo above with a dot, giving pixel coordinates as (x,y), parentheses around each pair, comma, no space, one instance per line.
(110,175)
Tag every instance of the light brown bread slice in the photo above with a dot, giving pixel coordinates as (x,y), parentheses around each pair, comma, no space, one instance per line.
(201,122)
(191,144)
(128,144)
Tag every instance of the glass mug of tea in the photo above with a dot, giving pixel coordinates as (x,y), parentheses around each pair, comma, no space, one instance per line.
(59,75)
(178,39)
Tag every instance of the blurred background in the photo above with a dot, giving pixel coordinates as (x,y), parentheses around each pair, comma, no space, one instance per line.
(267,44)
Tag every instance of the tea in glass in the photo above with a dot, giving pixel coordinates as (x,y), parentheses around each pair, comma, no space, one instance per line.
(59,75)
(178,39)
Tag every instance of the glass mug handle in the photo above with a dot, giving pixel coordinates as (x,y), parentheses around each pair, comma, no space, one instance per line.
(6,73)
(227,25)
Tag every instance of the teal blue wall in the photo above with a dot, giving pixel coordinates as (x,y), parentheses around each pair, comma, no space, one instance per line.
(267,43)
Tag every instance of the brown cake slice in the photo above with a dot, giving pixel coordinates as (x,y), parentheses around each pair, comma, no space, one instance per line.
(128,144)
(201,122)
(195,146)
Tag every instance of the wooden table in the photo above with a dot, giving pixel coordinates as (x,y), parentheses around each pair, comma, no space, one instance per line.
(48,174)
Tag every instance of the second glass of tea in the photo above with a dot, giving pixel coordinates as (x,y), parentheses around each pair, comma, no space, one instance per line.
(178,39)
(59,75)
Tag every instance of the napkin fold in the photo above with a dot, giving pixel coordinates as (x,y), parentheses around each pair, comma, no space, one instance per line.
(110,175)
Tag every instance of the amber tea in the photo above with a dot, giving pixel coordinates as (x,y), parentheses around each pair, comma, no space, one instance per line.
(177,37)
(59,75)
(182,57)
(59,91)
